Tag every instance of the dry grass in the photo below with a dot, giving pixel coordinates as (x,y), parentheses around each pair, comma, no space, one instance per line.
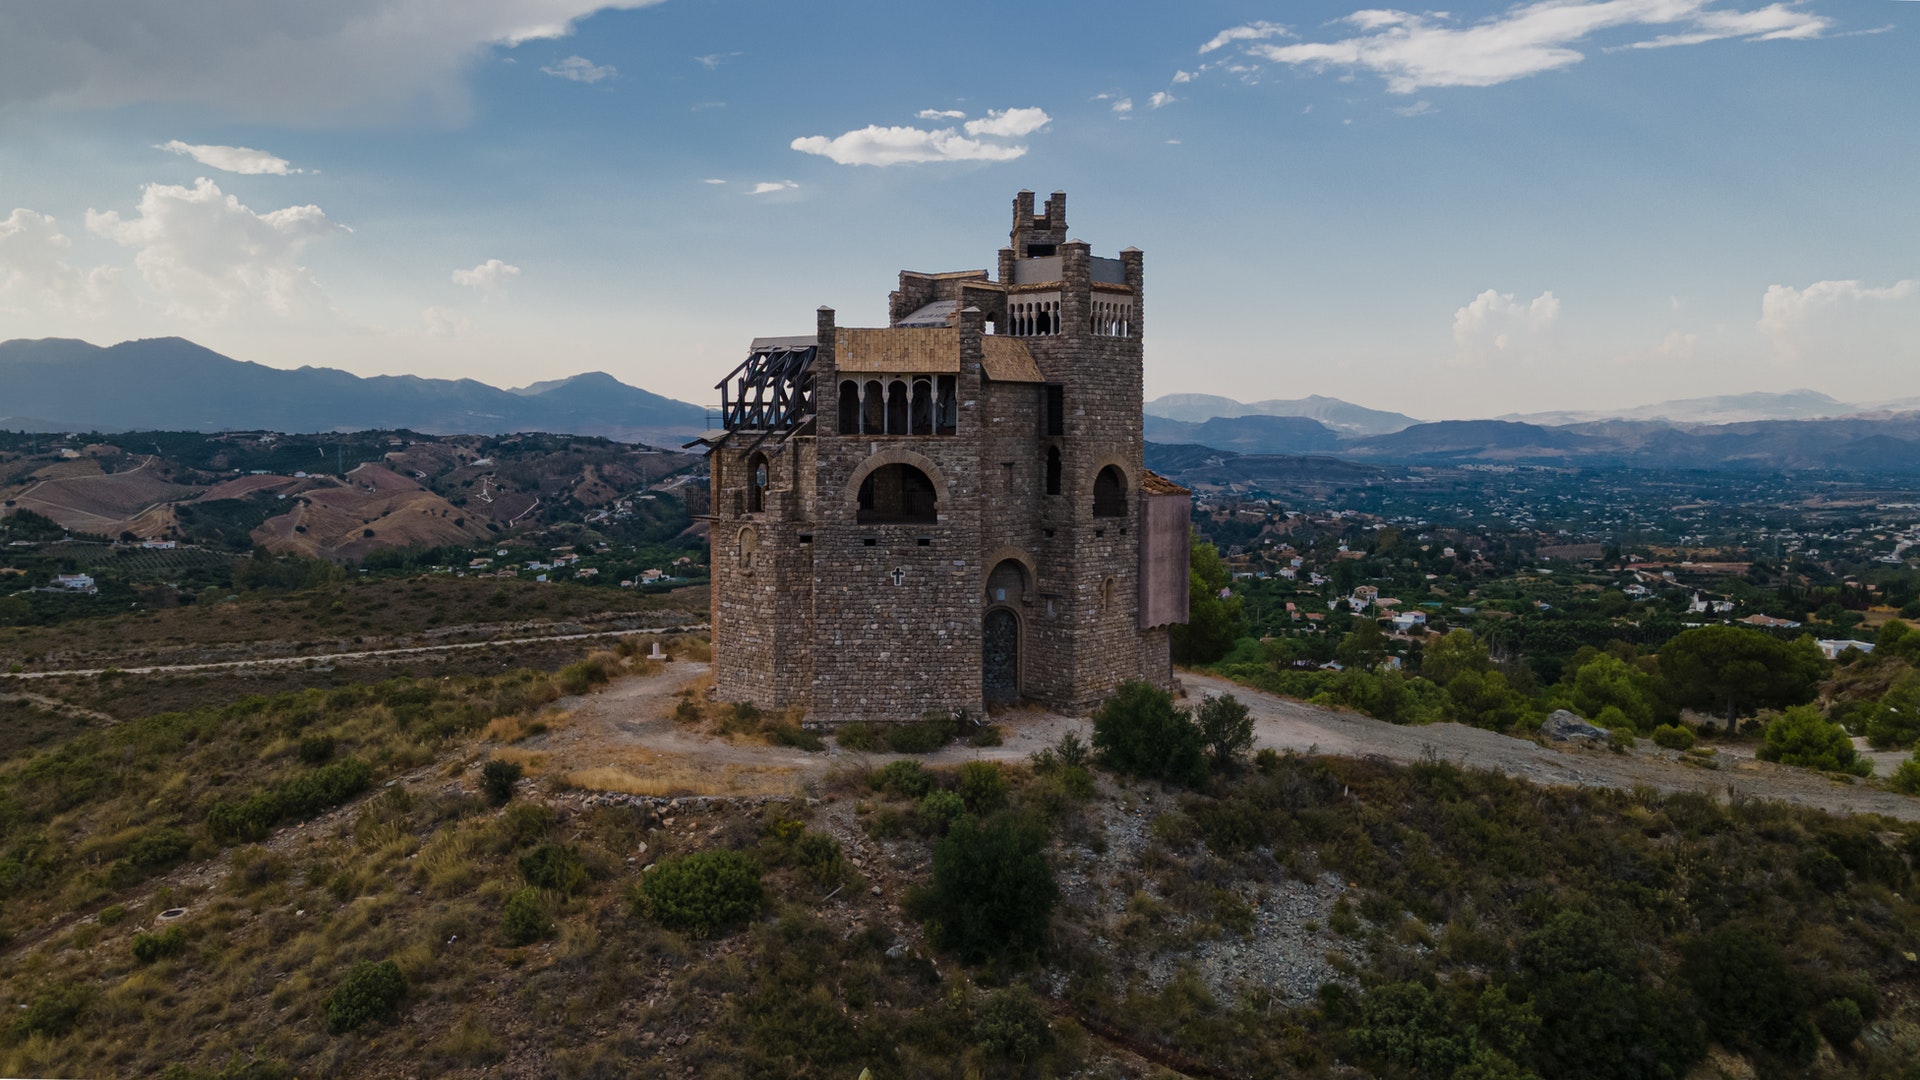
(512,729)
(674,779)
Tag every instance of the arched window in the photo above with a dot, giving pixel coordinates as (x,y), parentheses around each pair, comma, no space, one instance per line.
(922,407)
(1053,470)
(946,418)
(896,408)
(1007,584)
(757,481)
(873,409)
(896,494)
(849,408)
(1110,493)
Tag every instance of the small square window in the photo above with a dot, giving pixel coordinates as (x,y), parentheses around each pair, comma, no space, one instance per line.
(924,541)
(869,541)
(806,538)
(1098,533)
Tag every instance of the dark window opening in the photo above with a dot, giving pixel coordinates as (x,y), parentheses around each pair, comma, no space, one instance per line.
(897,408)
(806,538)
(1040,251)
(1110,493)
(1053,470)
(757,477)
(1049,533)
(1056,409)
(946,409)
(1098,533)
(896,494)
(1006,476)
(873,409)
(849,408)
(924,541)
(922,407)
(868,541)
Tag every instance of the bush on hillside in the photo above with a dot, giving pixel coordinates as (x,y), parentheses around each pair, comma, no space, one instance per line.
(1139,731)
(372,990)
(993,890)
(701,894)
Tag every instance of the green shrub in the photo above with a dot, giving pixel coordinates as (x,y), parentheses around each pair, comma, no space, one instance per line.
(859,735)
(1138,731)
(1840,1021)
(372,990)
(906,779)
(150,947)
(1011,1025)
(159,849)
(551,866)
(1226,729)
(701,894)
(985,736)
(316,749)
(497,778)
(1748,995)
(992,890)
(940,809)
(781,734)
(821,857)
(526,920)
(113,915)
(930,734)
(575,679)
(1801,736)
(302,797)
(1673,737)
(55,1010)
(982,787)
(526,823)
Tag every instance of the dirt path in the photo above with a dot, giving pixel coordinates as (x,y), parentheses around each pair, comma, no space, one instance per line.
(623,740)
(367,654)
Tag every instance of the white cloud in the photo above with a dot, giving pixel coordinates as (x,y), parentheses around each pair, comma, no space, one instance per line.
(1843,323)
(489,277)
(713,60)
(35,276)
(713,181)
(882,146)
(1008,123)
(941,114)
(1418,108)
(1159,98)
(580,69)
(211,257)
(233,159)
(1496,326)
(1123,106)
(284,61)
(445,322)
(1182,77)
(1416,51)
(1257,31)
(768,187)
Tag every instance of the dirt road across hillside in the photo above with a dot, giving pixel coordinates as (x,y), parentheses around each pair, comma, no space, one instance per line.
(623,735)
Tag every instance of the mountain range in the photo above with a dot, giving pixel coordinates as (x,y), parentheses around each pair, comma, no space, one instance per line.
(60,384)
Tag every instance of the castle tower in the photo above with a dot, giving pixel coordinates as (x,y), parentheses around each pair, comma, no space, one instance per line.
(951,511)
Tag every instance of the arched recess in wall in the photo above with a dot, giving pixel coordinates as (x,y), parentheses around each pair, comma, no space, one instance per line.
(1110,492)
(1008,569)
(849,411)
(759,478)
(745,545)
(896,456)
(896,494)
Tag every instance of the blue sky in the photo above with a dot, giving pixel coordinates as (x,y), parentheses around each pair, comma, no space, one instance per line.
(1565,204)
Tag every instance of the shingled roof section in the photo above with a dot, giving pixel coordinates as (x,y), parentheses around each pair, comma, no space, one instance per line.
(898,350)
(1007,359)
(1152,483)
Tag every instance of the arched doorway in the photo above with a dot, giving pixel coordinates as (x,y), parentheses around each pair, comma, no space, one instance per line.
(1000,656)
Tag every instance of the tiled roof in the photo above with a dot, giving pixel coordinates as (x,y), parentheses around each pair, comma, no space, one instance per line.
(1152,483)
(1007,359)
(898,350)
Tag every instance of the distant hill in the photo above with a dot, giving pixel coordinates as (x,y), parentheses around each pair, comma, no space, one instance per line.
(1722,409)
(172,383)
(1249,434)
(1341,416)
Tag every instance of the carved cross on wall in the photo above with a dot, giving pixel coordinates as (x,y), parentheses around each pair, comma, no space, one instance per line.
(899,576)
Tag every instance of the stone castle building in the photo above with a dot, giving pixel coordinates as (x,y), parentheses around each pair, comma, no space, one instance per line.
(950,511)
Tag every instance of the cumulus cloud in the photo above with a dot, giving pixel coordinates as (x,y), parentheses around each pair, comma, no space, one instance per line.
(1256,31)
(941,114)
(489,277)
(234,159)
(768,187)
(882,146)
(1416,51)
(284,61)
(1843,323)
(210,256)
(1123,106)
(35,276)
(1494,325)
(580,69)
(1009,123)
(1160,98)
(1182,77)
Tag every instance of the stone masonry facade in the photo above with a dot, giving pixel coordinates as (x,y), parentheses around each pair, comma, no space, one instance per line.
(951,511)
